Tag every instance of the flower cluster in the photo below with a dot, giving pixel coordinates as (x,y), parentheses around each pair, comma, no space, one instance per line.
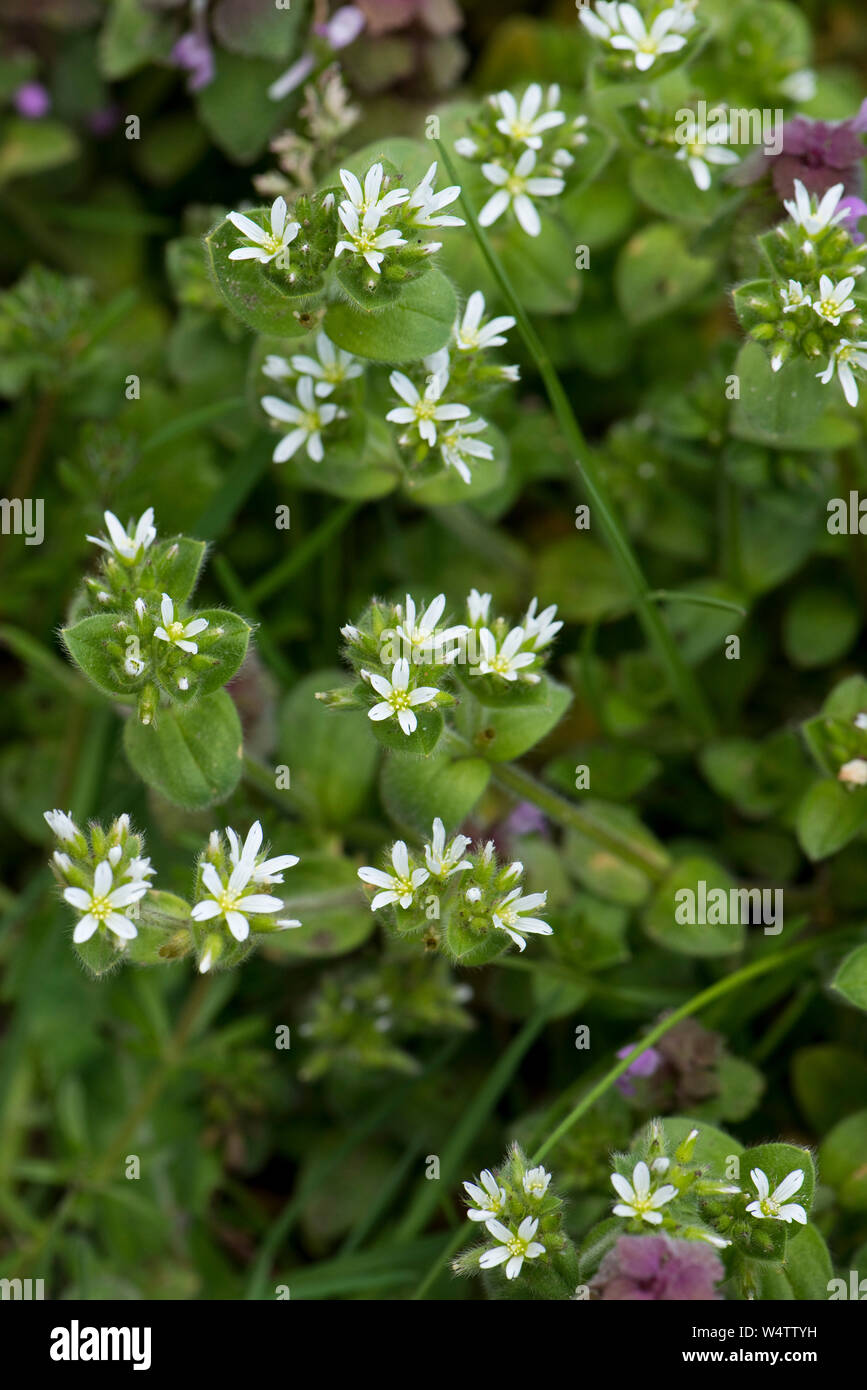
(406,657)
(104,875)
(675,1193)
(808,309)
(106,878)
(639,38)
(456,898)
(522,1219)
(228,877)
(139,642)
(525,149)
(359,1020)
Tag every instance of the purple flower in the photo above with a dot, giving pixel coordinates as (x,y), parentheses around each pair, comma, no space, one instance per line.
(341,29)
(193,53)
(819,153)
(645,1064)
(103,120)
(657,1269)
(32,101)
(526,819)
(856,208)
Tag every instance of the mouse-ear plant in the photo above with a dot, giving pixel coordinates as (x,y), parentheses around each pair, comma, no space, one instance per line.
(134,634)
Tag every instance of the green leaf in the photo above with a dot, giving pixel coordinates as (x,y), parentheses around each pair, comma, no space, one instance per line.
(602,870)
(829,1083)
(31,147)
(695,938)
(843,1161)
(420,743)
(776,407)
(543,267)
(227,653)
(808,1264)
(88,643)
(656,273)
(176,566)
(415,325)
(260,28)
(191,756)
(131,36)
(99,955)
(413,794)
(235,107)
(584,577)
(819,627)
(829,816)
(851,978)
(510,730)
(665,185)
(331,755)
(259,295)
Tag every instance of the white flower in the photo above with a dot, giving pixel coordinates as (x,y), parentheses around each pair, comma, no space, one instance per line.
(364,239)
(478,606)
(266,245)
(471,336)
(684,17)
(308,417)
(601,23)
(524,123)
(397,887)
(489,1199)
(637,1199)
(514,1247)
(425,206)
(843,354)
(228,900)
(419,632)
(333,367)
(457,446)
(367,200)
(423,411)
(794,297)
(776,1204)
(124,546)
(139,869)
(269,870)
(176,632)
(276,367)
(542,628)
(535,1182)
(799,86)
(100,905)
(63,826)
(699,152)
(647,44)
(811,213)
(466,147)
(516,188)
(833,300)
(853,773)
(508,916)
(507,659)
(397,698)
(442,862)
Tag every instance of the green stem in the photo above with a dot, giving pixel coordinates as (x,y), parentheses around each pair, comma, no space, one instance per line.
(653,862)
(308,549)
(681,679)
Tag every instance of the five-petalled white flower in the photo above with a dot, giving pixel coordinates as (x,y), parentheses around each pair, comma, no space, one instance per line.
(842,358)
(507,659)
(514,1246)
(526,122)
(443,861)
(508,915)
(471,335)
(309,418)
(397,699)
(516,188)
(815,215)
(776,1204)
(489,1199)
(330,368)
(418,632)
(425,207)
(228,899)
(177,633)
(397,887)
(103,904)
(267,245)
(363,237)
(638,1198)
(833,300)
(423,411)
(536,1181)
(267,871)
(125,546)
